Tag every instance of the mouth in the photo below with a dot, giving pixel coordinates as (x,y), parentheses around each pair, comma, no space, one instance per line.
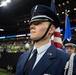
(32,31)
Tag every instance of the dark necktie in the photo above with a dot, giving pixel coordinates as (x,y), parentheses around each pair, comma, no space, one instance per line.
(30,63)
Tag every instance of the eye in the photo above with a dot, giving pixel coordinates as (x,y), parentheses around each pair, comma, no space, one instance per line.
(72,47)
(35,23)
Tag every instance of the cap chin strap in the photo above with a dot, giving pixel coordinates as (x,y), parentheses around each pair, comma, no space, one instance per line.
(44,34)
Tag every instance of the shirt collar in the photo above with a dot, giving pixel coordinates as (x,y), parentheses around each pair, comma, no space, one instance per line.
(42,48)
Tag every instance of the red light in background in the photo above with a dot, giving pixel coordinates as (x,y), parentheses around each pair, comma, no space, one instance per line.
(74,20)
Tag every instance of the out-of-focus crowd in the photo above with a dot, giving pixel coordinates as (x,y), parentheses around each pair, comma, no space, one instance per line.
(15,46)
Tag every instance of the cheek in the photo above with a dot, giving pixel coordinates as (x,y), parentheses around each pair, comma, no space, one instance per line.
(42,29)
(73,50)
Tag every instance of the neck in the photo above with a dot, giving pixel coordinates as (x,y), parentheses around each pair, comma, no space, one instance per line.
(41,43)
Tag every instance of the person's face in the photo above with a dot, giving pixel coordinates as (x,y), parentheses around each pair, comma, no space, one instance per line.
(38,29)
(70,49)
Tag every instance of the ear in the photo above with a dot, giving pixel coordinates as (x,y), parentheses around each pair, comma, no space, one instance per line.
(52,29)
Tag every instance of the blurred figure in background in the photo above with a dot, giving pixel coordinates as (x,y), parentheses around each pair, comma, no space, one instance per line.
(27,46)
(70,45)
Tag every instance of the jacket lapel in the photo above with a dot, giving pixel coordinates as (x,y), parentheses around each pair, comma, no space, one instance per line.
(45,61)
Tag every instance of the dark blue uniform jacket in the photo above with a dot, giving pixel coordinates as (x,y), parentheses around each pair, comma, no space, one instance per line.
(52,63)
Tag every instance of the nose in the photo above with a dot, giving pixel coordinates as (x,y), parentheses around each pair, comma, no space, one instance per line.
(69,50)
(32,26)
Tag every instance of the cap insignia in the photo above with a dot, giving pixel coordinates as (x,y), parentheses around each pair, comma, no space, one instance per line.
(69,39)
(35,8)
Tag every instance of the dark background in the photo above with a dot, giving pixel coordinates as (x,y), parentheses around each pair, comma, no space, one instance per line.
(12,16)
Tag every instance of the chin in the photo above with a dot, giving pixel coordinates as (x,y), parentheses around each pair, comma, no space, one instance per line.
(33,38)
